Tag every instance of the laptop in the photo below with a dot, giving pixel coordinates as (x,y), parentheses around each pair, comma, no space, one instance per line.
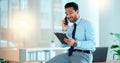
(100,55)
(61,37)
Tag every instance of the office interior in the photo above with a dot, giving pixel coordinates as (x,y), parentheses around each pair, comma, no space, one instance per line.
(32,23)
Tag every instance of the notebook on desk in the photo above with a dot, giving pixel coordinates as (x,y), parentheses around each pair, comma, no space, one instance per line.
(100,55)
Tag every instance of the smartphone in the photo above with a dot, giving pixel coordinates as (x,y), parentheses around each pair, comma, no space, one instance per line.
(66,22)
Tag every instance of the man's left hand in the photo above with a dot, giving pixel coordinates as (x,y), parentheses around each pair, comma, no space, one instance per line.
(69,41)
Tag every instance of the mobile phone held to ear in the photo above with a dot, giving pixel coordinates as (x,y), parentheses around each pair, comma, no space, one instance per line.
(66,22)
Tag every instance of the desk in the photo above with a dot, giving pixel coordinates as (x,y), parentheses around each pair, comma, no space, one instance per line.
(112,61)
(28,54)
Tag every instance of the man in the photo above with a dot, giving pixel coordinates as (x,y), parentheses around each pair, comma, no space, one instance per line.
(81,38)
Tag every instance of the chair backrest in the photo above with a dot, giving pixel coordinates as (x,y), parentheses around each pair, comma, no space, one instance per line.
(100,55)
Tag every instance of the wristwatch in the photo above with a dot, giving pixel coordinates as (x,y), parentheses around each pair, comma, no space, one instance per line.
(75,44)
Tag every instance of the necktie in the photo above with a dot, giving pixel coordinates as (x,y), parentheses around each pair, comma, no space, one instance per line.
(70,51)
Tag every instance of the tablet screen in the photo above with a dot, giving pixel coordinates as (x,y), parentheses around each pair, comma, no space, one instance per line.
(61,37)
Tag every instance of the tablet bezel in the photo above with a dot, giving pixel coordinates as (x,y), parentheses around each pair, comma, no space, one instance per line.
(61,37)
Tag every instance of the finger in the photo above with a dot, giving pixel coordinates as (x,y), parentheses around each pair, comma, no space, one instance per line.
(70,38)
(63,21)
(66,40)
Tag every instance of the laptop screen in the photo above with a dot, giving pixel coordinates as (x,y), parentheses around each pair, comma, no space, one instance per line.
(100,54)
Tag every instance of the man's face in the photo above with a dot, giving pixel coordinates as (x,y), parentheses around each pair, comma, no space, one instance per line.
(71,14)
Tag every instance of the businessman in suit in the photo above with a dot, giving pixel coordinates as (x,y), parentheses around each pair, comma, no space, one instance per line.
(81,38)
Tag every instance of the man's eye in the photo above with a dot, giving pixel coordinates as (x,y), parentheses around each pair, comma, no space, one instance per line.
(71,13)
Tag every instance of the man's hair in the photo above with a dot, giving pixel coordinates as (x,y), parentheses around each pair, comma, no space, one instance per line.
(72,4)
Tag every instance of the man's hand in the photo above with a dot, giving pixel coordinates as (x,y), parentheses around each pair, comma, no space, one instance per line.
(64,27)
(69,41)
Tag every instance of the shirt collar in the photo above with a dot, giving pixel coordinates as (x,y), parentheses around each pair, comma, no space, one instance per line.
(78,21)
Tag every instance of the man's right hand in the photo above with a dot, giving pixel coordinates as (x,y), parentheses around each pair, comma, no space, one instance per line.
(64,27)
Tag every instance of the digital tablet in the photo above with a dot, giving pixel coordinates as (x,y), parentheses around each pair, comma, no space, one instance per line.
(61,37)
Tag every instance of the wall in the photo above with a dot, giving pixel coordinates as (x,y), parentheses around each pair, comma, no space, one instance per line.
(109,22)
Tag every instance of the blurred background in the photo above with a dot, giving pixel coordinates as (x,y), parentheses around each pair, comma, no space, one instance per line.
(32,23)
(28,23)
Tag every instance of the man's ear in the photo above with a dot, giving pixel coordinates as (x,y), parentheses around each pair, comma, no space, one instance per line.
(77,11)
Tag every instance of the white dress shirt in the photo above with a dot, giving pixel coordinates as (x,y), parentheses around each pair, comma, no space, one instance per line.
(84,35)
